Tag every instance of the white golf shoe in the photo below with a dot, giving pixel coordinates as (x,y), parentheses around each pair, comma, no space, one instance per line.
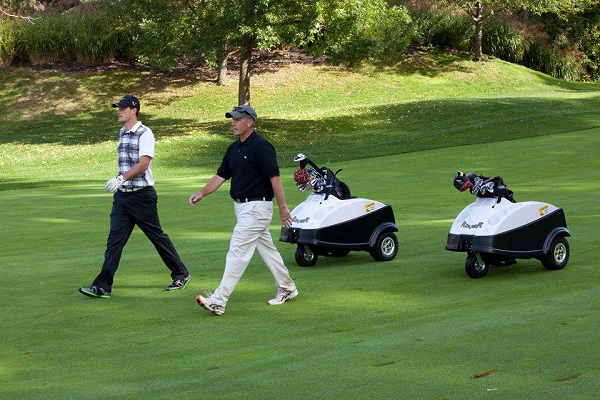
(282,296)
(209,304)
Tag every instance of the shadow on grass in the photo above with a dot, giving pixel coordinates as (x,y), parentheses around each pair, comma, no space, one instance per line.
(430,63)
(359,133)
(81,88)
(58,109)
(16,184)
(402,128)
(95,128)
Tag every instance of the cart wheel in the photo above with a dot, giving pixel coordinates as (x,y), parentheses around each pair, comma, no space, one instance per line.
(558,256)
(474,268)
(386,247)
(305,256)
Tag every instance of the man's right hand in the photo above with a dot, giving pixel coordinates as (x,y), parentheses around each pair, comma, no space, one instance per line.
(113,184)
(196,197)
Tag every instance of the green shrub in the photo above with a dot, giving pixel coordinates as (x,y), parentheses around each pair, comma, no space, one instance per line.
(578,34)
(93,37)
(160,33)
(444,28)
(585,38)
(503,40)
(368,32)
(590,49)
(455,29)
(8,41)
(157,42)
(560,64)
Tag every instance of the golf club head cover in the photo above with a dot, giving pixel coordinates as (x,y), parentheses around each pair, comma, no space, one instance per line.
(462,182)
(302,178)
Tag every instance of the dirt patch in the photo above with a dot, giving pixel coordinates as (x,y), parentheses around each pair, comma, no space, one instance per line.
(569,378)
(262,62)
(485,374)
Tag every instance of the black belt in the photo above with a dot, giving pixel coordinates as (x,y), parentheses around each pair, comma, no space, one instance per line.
(247,199)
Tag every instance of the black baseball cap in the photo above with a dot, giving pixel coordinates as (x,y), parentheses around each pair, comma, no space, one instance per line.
(128,100)
(244,111)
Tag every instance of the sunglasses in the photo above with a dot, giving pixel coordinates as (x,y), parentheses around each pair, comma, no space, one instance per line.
(243,111)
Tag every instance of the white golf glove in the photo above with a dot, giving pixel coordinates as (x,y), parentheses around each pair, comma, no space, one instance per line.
(114,184)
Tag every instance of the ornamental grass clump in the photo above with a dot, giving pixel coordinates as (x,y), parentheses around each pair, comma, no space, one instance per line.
(8,42)
(45,40)
(94,39)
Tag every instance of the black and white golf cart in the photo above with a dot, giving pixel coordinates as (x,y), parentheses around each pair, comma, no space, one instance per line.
(331,222)
(495,229)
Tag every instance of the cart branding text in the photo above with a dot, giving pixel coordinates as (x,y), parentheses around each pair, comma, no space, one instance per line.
(468,226)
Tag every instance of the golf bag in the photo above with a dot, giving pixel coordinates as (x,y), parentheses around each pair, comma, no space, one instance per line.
(321,180)
(480,186)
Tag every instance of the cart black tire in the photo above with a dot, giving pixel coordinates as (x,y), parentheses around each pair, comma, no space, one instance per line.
(306,256)
(474,268)
(558,256)
(386,247)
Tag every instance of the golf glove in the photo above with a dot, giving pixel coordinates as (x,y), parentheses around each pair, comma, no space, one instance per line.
(114,184)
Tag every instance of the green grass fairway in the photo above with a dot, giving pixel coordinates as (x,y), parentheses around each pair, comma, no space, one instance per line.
(413,328)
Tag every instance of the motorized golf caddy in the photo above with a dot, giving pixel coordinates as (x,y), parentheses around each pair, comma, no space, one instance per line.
(495,229)
(332,222)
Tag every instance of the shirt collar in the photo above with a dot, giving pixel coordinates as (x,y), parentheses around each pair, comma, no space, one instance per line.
(248,139)
(134,128)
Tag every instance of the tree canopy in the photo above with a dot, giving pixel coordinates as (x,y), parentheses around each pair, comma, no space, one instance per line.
(213,30)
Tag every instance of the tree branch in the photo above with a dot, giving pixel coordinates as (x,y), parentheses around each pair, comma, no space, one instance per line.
(479,11)
(192,8)
(26,18)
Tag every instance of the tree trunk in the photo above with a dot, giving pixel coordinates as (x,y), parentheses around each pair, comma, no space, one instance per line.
(478,17)
(222,65)
(245,56)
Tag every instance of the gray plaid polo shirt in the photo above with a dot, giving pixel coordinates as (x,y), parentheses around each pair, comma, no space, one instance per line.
(133,144)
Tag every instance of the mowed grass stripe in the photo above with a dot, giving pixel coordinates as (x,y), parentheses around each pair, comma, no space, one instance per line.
(415,327)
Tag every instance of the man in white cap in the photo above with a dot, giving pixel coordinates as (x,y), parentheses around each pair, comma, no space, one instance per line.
(251,164)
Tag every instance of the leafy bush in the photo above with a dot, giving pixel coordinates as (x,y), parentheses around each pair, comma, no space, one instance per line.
(160,32)
(503,40)
(91,37)
(444,28)
(368,31)
(590,46)
(578,34)
(552,61)
(455,29)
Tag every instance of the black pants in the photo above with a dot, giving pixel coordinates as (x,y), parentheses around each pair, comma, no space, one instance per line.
(130,209)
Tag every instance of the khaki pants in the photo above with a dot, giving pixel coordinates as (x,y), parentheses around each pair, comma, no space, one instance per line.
(252,232)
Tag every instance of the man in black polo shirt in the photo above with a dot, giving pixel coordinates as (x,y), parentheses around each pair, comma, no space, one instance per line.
(251,164)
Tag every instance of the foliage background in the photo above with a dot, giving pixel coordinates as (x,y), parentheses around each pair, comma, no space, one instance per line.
(165,34)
